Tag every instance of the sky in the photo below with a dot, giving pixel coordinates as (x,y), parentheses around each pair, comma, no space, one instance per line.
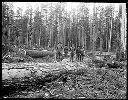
(69,5)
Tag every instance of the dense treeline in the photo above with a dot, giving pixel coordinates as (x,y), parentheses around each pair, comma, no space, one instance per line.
(52,24)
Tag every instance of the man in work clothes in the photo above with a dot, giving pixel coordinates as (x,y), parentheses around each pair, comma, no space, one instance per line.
(78,53)
(66,51)
(81,54)
(59,51)
(72,53)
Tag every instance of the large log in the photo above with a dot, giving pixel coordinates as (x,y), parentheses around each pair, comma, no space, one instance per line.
(32,53)
(38,54)
(21,77)
(41,75)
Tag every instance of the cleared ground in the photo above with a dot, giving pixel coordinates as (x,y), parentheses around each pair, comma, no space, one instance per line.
(46,80)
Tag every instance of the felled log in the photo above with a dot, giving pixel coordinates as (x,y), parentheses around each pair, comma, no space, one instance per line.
(13,59)
(98,63)
(38,54)
(32,53)
(24,80)
(31,80)
(26,77)
(18,77)
(98,60)
(116,64)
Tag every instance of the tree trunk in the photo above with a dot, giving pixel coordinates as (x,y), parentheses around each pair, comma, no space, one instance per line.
(9,35)
(106,43)
(94,26)
(27,36)
(109,49)
(101,40)
(83,42)
(123,26)
(39,36)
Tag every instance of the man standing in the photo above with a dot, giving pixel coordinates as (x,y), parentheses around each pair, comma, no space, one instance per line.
(81,54)
(78,53)
(72,53)
(59,51)
(66,51)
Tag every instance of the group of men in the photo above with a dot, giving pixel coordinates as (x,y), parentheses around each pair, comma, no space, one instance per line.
(78,51)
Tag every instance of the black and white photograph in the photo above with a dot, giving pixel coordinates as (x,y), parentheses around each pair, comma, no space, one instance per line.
(64,50)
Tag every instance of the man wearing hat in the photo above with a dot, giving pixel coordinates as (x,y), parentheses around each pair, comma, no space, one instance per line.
(78,53)
(72,53)
(59,50)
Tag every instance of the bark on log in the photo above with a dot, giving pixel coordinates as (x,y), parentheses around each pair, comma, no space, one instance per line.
(35,76)
(32,53)
(28,76)
(38,54)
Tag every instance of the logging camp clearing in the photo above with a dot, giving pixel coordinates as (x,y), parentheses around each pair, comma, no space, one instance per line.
(64,50)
